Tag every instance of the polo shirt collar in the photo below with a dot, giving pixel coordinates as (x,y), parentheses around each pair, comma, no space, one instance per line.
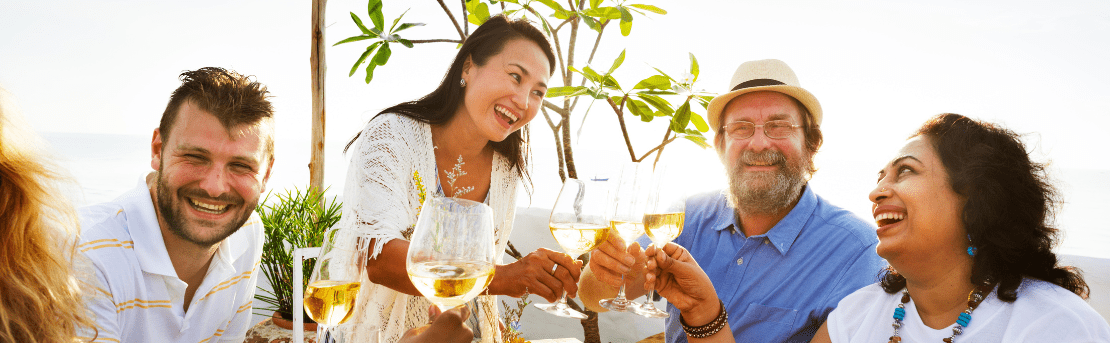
(142,224)
(786,231)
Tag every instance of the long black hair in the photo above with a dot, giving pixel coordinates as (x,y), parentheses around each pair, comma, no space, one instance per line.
(439,106)
(1008,208)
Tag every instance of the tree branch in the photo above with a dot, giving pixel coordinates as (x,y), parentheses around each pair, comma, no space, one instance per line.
(558,142)
(562,112)
(597,42)
(452,16)
(466,23)
(624,130)
(659,147)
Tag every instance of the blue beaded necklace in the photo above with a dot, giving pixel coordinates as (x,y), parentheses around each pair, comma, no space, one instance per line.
(973,300)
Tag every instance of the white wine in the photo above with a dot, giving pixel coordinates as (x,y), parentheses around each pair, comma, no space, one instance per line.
(628,231)
(329,302)
(450,284)
(664,227)
(579,238)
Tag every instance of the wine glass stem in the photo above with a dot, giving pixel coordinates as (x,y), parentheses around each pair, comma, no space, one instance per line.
(563,299)
(322,333)
(620,293)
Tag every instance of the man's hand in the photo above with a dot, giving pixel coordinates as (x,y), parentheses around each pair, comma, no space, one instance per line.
(534,274)
(612,262)
(446,327)
(679,278)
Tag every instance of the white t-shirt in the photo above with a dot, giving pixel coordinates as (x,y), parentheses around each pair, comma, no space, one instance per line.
(1043,312)
(139,297)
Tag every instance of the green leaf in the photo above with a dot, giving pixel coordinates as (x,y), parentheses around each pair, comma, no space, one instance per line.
(649,8)
(406,26)
(699,122)
(659,103)
(654,82)
(363,57)
(383,54)
(395,21)
(658,92)
(479,14)
(374,10)
(554,6)
(563,91)
(592,23)
(361,27)
(704,100)
(665,74)
(597,93)
(603,13)
(694,67)
(681,118)
(610,82)
(699,140)
(617,62)
(639,108)
(646,119)
(407,43)
(370,71)
(354,39)
(591,74)
(626,21)
(595,3)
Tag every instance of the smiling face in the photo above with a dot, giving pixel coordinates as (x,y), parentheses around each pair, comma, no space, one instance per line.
(209,177)
(915,207)
(506,93)
(765,175)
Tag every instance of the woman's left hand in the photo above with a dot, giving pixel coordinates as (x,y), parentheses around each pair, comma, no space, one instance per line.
(534,274)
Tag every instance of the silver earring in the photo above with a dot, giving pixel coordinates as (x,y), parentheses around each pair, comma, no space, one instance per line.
(462,82)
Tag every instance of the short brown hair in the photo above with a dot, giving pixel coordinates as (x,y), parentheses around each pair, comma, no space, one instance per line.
(232,98)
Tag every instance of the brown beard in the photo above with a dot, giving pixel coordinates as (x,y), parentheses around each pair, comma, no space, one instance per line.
(171,209)
(765,193)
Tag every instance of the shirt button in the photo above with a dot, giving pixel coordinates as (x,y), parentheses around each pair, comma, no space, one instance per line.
(766,241)
(740,261)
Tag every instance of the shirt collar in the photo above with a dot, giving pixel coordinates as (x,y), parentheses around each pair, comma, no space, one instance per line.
(786,231)
(142,223)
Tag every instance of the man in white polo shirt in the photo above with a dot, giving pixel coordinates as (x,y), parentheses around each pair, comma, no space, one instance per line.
(176,258)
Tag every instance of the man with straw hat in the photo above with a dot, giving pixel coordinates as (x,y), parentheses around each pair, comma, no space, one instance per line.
(780,256)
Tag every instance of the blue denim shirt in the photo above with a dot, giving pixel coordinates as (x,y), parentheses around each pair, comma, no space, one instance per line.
(779,286)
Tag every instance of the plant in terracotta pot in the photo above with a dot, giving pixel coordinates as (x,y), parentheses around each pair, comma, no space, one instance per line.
(297,219)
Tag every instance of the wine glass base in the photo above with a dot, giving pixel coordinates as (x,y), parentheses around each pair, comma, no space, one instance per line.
(617,304)
(561,310)
(649,310)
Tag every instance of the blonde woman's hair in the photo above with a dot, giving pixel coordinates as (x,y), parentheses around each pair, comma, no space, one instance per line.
(41,297)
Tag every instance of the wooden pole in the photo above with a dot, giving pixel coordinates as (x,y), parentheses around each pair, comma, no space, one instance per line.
(316,163)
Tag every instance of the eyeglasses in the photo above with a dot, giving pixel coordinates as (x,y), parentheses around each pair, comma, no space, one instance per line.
(775,129)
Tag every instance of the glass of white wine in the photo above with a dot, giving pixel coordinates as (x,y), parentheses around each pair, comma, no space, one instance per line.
(333,287)
(629,201)
(452,253)
(663,221)
(580,223)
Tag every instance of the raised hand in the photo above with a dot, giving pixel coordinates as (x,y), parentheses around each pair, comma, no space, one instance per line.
(612,260)
(534,274)
(446,327)
(677,276)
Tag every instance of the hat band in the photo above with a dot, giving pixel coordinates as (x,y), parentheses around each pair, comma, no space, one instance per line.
(757,83)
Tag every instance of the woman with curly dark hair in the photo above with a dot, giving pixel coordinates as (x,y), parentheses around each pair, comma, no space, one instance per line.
(964,220)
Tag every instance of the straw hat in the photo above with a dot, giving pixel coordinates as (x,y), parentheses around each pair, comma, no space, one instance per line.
(763,75)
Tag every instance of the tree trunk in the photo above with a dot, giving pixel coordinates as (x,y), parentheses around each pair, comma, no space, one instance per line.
(316,62)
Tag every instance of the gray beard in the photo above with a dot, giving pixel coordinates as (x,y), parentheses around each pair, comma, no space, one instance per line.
(765,193)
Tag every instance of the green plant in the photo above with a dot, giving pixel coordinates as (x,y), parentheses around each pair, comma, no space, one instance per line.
(295,220)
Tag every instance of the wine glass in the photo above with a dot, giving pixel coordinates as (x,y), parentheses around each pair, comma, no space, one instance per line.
(333,287)
(629,202)
(663,221)
(580,223)
(452,253)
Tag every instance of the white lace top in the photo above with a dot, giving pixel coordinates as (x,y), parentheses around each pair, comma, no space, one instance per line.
(381,197)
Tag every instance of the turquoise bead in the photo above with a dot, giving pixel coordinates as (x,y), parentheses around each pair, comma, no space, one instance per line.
(899,313)
(964,319)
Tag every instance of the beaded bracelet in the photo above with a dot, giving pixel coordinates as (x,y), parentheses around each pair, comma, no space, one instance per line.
(707,330)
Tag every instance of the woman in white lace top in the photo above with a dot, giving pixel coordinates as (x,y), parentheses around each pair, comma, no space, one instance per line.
(465,139)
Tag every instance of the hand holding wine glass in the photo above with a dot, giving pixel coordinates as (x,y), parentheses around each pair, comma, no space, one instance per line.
(663,220)
(579,222)
(629,202)
(336,279)
(452,254)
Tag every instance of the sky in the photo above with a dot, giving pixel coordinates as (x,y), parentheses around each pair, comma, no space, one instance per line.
(879,69)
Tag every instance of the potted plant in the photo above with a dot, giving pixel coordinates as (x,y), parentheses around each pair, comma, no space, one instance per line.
(295,220)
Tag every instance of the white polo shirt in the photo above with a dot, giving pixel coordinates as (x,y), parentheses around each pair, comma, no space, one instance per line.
(141,299)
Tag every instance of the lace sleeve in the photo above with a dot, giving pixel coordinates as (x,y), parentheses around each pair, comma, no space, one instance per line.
(381,180)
